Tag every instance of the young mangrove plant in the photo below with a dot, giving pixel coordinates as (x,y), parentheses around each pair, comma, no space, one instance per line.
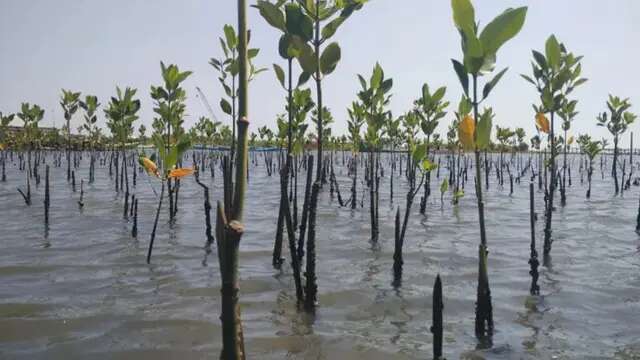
(170,108)
(69,101)
(591,148)
(394,139)
(556,73)
(567,113)
(304,19)
(5,120)
(617,122)
(354,124)
(229,67)
(479,57)
(90,106)
(421,161)
(375,99)
(121,114)
(30,115)
(429,108)
(229,229)
(285,21)
(504,136)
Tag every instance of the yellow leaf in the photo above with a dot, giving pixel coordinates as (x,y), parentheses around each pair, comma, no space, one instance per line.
(570,141)
(466,131)
(150,167)
(178,173)
(542,123)
(2,146)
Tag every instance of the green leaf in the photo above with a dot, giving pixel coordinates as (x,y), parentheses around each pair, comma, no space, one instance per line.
(483,131)
(553,52)
(427,165)
(444,186)
(307,59)
(363,82)
(491,84)
(225,106)
(438,95)
(279,73)
(252,53)
(297,23)
(330,29)
(501,29)
(376,77)
(386,85)
(462,75)
(473,58)
(304,77)
(272,14)
(330,58)
(230,35)
(419,153)
(528,79)
(579,82)
(464,16)
(540,59)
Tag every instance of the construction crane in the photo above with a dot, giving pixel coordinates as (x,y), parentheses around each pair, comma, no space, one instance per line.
(206,104)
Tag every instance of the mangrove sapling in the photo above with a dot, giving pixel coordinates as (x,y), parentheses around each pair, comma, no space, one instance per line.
(354,124)
(374,97)
(591,149)
(504,136)
(229,229)
(555,75)
(394,137)
(90,106)
(5,120)
(121,113)
(567,113)
(479,52)
(617,122)
(421,162)
(299,104)
(411,124)
(30,116)
(229,67)
(69,101)
(437,327)
(429,109)
(304,21)
(170,108)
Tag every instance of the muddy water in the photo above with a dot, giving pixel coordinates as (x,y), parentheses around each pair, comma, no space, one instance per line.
(85,291)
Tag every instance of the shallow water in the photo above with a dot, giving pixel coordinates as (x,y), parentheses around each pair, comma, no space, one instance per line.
(86,292)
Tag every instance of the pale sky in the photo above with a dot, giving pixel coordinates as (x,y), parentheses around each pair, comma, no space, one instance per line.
(91,46)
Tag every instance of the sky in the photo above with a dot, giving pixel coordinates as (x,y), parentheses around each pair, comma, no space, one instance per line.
(93,46)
